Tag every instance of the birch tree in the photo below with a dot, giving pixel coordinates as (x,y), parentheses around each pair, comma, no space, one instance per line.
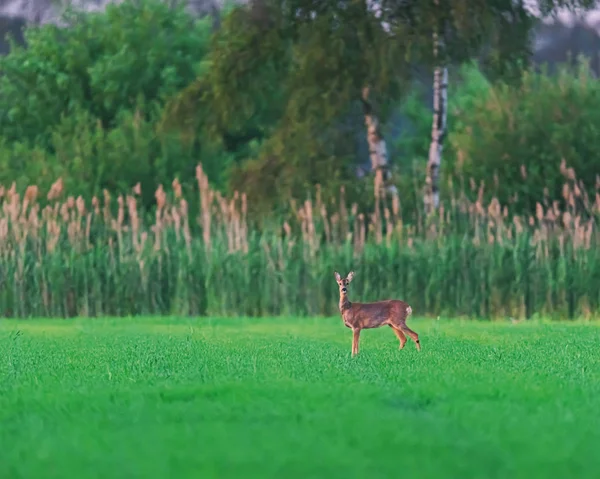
(438,127)
(378,151)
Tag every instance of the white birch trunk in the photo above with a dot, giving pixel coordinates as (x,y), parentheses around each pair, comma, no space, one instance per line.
(377,149)
(438,134)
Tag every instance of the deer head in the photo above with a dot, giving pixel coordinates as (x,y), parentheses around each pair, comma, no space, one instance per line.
(344,282)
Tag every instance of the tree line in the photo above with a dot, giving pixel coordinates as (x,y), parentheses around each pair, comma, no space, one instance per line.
(282,96)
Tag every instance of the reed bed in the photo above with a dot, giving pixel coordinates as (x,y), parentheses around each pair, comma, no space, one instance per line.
(68,258)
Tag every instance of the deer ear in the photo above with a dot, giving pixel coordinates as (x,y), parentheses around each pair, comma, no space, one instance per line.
(350,276)
(337,276)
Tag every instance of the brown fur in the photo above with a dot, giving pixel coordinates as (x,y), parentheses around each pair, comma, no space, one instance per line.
(359,316)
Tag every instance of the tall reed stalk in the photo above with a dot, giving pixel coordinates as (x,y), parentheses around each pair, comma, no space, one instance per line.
(469,259)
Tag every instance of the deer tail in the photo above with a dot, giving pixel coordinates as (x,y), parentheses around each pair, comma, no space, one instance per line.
(408,311)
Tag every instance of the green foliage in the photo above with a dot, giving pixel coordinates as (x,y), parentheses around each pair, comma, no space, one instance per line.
(545,120)
(294,98)
(265,398)
(286,85)
(496,128)
(102,63)
(83,102)
(269,103)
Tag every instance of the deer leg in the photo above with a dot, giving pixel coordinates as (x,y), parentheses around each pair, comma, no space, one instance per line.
(414,336)
(401,336)
(355,339)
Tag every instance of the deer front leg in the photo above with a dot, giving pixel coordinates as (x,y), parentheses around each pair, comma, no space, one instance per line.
(355,339)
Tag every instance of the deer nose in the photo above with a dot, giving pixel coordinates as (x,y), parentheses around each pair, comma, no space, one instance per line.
(343,290)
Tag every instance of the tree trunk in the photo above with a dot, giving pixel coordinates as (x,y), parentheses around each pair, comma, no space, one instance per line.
(377,150)
(438,133)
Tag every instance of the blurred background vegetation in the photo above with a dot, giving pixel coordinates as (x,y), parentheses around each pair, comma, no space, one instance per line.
(266,96)
(269,102)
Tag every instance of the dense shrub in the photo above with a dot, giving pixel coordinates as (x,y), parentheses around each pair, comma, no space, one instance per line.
(514,138)
(101,63)
(510,138)
(84,102)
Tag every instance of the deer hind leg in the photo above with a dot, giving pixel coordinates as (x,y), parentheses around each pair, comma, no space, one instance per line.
(401,336)
(414,336)
(355,340)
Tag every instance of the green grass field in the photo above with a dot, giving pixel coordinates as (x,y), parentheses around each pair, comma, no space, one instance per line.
(275,398)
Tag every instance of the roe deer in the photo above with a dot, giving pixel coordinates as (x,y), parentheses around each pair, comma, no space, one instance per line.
(357,316)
